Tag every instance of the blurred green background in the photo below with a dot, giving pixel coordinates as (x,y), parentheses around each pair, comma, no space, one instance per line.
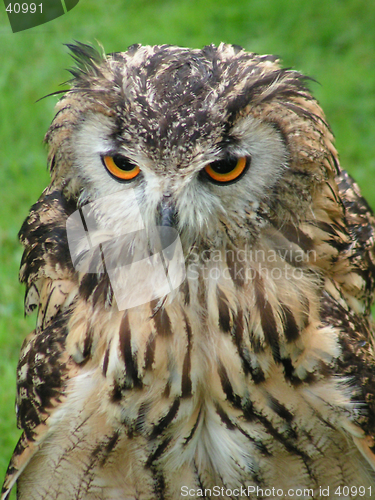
(332,41)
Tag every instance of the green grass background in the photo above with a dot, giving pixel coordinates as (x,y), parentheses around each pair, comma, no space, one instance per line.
(330,40)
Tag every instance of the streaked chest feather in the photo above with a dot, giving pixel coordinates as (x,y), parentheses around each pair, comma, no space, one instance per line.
(231,390)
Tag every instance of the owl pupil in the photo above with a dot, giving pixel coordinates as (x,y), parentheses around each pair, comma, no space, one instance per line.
(123,163)
(224,166)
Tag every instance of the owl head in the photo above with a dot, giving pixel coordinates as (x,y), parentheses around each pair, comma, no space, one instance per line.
(218,143)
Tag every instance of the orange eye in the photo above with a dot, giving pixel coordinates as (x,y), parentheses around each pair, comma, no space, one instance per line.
(227,170)
(120,167)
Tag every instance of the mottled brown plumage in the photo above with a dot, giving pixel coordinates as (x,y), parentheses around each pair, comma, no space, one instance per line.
(258,371)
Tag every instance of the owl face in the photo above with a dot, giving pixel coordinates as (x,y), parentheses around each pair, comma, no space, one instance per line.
(192,139)
(202,198)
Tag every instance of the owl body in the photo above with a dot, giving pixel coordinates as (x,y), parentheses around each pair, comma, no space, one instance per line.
(254,377)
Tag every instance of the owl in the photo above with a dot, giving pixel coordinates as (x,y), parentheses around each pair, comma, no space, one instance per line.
(203,273)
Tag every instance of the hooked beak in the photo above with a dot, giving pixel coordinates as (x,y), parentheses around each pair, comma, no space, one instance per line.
(167,221)
(167,214)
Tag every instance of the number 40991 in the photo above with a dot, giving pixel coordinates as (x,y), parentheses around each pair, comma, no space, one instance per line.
(24,8)
(353,491)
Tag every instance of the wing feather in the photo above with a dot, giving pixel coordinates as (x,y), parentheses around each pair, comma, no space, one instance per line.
(44,367)
(349,310)
(43,371)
